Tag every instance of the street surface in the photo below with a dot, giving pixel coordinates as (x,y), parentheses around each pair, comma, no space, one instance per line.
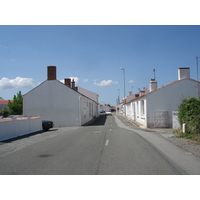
(110,146)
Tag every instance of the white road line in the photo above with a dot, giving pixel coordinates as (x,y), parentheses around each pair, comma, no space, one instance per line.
(107,142)
(110,129)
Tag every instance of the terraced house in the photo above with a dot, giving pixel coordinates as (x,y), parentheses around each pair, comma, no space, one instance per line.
(157,107)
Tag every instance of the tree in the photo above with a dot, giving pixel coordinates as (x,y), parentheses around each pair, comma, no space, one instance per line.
(16,106)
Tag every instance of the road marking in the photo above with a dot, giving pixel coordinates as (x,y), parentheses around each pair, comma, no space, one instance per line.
(110,129)
(107,142)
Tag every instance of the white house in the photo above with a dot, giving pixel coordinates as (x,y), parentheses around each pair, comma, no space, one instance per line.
(61,103)
(155,108)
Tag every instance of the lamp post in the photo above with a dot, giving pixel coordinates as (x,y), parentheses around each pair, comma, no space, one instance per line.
(124,90)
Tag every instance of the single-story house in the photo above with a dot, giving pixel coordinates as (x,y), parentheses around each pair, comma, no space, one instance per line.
(4,103)
(60,102)
(154,108)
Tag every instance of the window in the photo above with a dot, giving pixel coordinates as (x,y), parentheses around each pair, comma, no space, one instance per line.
(90,109)
(142,109)
(137,108)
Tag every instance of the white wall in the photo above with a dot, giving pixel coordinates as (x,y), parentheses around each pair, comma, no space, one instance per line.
(89,109)
(53,101)
(136,110)
(14,128)
(169,98)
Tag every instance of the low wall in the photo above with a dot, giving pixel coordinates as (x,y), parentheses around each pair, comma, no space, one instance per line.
(15,127)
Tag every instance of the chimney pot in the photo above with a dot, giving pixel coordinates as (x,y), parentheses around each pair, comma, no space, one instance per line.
(73,84)
(51,73)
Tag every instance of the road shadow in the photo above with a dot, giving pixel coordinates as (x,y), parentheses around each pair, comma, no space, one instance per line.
(26,136)
(100,121)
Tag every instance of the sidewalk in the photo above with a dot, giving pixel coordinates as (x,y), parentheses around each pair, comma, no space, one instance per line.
(190,146)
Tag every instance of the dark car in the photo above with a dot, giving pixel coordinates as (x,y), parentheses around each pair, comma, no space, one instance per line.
(46,125)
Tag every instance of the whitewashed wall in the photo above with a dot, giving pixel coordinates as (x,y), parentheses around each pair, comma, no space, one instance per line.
(136,110)
(89,110)
(18,127)
(53,101)
(169,98)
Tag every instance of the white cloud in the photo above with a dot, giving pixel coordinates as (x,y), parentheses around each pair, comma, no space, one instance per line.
(85,80)
(76,79)
(105,83)
(131,81)
(17,83)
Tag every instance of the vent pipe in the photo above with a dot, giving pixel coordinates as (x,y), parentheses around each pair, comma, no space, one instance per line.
(73,84)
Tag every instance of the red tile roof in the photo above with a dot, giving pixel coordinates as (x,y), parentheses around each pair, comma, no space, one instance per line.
(5,102)
(161,88)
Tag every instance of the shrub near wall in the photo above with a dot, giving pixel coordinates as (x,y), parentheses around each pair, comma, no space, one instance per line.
(189,113)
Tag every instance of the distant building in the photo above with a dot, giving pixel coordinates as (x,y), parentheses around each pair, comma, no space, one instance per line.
(104,108)
(4,103)
(61,103)
(154,109)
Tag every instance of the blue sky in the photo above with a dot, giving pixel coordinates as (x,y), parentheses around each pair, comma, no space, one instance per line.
(95,54)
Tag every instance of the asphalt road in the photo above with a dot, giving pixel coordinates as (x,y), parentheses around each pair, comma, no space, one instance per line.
(110,146)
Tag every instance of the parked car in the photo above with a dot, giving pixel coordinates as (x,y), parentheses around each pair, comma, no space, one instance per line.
(108,113)
(46,125)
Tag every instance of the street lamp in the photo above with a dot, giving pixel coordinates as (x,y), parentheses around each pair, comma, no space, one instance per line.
(124,89)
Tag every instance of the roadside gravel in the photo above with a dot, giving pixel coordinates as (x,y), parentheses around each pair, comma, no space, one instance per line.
(188,145)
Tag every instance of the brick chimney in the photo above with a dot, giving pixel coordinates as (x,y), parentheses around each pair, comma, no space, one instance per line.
(68,82)
(51,73)
(183,73)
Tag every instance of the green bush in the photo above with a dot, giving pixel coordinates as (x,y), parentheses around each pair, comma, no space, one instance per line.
(4,112)
(189,113)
